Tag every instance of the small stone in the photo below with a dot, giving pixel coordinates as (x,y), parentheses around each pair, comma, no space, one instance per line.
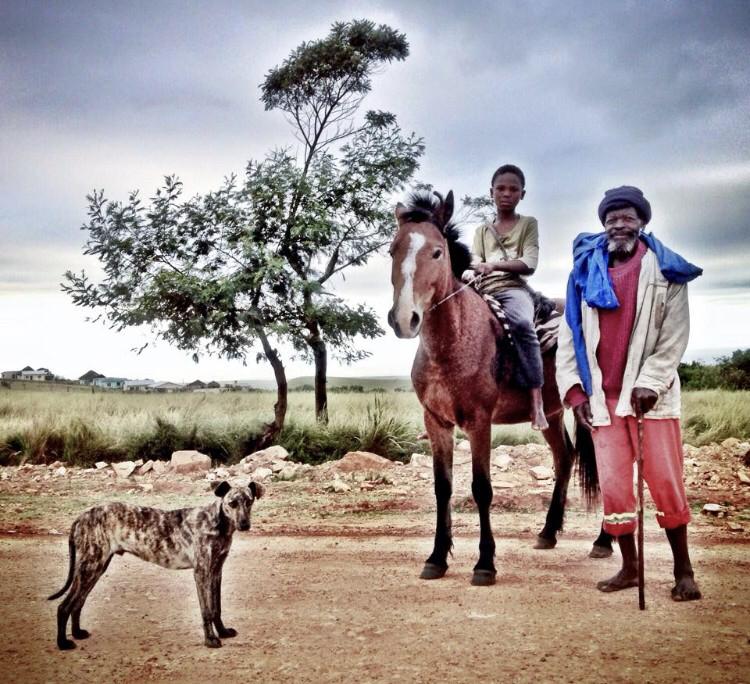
(147,487)
(541,472)
(743,477)
(160,467)
(735,527)
(101,464)
(138,462)
(222,473)
(420,461)
(501,460)
(145,467)
(54,464)
(287,473)
(123,469)
(463,445)
(261,473)
(60,472)
(278,466)
(713,509)
(189,461)
(503,484)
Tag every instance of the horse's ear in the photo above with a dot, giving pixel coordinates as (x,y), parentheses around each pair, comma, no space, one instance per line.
(445,209)
(448,207)
(400,211)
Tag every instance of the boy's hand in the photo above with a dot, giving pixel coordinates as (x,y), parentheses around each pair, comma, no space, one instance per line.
(483,268)
(642,400)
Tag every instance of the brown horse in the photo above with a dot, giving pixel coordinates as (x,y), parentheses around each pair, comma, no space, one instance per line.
(455,375)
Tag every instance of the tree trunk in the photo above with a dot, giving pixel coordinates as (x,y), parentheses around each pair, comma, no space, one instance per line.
(320,356)
(272,430)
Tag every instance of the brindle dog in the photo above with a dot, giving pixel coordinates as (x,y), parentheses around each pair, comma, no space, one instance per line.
(197,538)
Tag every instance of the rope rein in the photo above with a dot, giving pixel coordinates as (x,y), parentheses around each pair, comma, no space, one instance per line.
(455,292)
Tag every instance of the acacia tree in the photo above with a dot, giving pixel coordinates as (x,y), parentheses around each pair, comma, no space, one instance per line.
(250,262)
(339,214)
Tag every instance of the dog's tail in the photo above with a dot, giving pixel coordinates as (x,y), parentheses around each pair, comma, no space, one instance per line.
(69,581)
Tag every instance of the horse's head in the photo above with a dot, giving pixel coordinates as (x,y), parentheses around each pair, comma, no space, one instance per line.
(426,259)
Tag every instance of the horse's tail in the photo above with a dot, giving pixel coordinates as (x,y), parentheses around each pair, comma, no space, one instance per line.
(588,475)
(72,553)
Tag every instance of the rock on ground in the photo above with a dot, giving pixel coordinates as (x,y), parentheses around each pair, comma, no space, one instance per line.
(361,460)
(190,462)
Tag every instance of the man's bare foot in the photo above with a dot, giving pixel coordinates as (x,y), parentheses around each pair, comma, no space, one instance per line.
(686,590)
(539,422)
(622,580)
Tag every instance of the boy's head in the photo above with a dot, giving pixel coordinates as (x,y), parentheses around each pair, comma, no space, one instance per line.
(508,187)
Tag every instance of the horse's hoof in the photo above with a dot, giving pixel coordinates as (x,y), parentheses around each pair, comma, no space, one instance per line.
(600,551)
(545,543)
(483,578)
(66,644)
(81,634)
(430,571)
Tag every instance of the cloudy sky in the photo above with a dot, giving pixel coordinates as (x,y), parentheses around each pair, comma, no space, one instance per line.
(582,95)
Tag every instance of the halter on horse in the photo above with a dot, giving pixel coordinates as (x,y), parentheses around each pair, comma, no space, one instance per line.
(455,374)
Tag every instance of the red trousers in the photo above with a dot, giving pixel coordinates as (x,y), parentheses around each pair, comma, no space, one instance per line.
(616,450)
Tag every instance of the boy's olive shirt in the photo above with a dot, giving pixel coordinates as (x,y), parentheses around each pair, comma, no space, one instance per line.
(521,243)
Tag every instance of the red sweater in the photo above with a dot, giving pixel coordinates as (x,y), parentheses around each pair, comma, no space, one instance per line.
(615,328)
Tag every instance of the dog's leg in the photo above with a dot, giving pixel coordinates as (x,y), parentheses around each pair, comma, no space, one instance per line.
(205,599)
(223,632)
(93,578)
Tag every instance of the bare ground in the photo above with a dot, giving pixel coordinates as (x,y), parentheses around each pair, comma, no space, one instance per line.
(325,588)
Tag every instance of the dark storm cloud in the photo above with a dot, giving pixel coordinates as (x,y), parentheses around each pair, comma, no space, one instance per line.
(583,95)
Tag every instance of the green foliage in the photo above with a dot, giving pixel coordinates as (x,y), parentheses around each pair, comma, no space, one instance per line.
(730,372)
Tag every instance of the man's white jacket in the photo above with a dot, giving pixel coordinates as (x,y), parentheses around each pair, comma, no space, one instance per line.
(657,343)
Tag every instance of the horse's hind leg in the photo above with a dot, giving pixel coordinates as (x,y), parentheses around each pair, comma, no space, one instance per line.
(481,488)
(441,440)
(602,547)
(562,455)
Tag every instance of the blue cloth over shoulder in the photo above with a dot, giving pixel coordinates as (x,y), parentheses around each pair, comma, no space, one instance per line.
(589,281)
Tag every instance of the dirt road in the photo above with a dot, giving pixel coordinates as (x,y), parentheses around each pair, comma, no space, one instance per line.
(344,604)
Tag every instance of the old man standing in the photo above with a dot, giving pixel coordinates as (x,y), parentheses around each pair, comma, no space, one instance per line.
(625,330)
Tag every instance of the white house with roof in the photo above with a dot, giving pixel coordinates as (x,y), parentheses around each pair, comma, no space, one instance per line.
(109,383)
(167,387)
(138,385)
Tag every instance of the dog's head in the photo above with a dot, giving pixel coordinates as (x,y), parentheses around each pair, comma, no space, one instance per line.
(237,502)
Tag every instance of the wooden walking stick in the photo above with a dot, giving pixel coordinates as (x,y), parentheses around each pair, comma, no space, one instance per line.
(641,581)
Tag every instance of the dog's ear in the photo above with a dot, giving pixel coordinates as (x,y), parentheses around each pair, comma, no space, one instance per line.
(257,489)
(222,488)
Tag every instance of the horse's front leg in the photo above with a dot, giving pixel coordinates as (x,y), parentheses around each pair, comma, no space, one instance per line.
(441,441)
(481,488)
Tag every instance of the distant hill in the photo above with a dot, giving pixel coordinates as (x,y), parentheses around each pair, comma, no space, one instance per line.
(387,382)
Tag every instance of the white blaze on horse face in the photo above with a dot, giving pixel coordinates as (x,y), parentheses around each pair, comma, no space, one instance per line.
(406,306)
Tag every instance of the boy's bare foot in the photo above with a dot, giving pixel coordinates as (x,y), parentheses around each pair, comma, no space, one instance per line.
(539,421)
(686,590)
(622,580)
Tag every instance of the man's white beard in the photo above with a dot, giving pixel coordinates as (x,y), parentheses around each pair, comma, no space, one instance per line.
(623,248)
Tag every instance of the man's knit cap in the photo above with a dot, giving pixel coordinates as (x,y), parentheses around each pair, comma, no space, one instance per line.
(629,194)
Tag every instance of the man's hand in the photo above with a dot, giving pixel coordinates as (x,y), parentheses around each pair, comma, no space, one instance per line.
(642,400)
(583,415)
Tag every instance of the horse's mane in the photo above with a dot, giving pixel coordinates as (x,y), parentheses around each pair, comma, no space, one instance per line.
(424,206)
